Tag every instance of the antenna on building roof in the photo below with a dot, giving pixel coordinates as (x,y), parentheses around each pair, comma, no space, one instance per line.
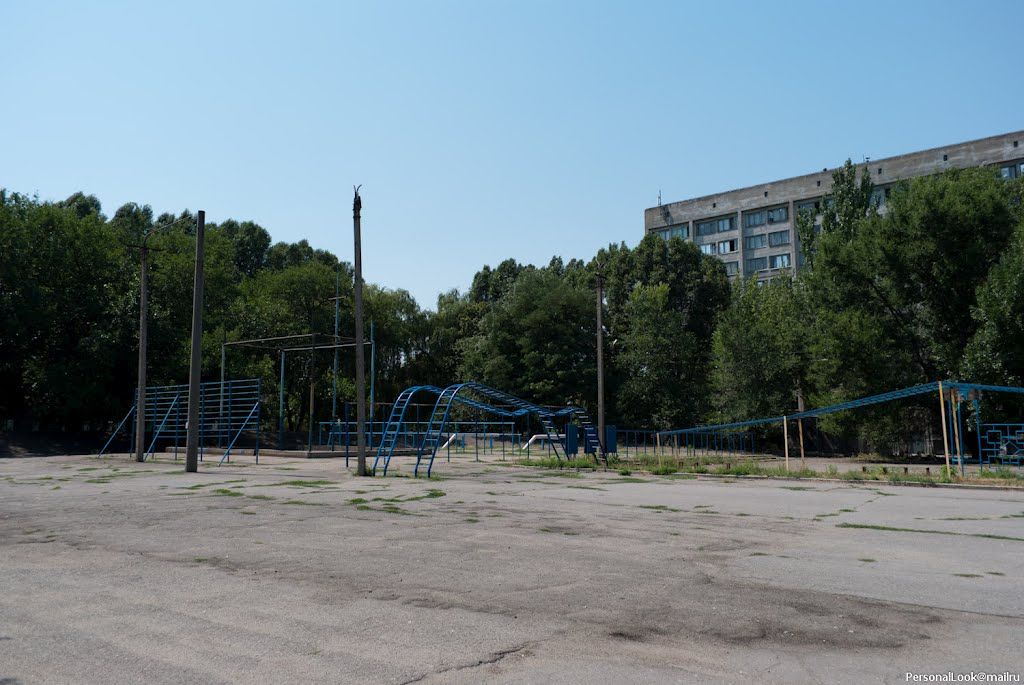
(659,197)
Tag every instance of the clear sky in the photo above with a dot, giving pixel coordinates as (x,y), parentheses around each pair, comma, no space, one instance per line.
(481,130)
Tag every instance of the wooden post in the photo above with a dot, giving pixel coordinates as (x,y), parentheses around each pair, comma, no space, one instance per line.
(785,440)
(945,432)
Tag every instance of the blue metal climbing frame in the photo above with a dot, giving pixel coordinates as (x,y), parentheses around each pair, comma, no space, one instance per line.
(499,403)
(1002,442)
(225,411)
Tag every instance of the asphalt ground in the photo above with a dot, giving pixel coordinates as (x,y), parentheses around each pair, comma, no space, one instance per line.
(297,571)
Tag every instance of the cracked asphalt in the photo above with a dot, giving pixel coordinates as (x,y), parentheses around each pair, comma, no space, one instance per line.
(294,571)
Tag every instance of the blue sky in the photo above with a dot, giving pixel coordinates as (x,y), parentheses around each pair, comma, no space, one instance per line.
(481,130)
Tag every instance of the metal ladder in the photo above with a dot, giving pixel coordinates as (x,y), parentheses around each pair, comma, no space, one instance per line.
(432,438)
(557,446)
(393,428)
(590,438)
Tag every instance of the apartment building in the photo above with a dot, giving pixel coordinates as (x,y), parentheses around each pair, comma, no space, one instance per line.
(753,230)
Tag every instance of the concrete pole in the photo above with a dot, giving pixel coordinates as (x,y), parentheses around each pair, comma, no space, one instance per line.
(140,406)
(600,361)
(357,205)
(195,367)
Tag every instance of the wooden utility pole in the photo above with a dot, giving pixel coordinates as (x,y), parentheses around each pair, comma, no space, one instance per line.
(195,367)
(945,432)
(140,400)
(600,361)
(357,206)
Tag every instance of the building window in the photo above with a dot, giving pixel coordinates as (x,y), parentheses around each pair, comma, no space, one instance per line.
(778,261)
(732,268)
(716,225)
(681,231)
(1009,171)
(709,248)
(878,197)
(752,219)
(663,233)
(778,238)
(727,246)
(778,215)
(809,205)
(752,242)
(757,264)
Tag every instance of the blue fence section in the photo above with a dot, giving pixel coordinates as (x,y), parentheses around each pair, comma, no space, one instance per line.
(225,411)
(1002,443)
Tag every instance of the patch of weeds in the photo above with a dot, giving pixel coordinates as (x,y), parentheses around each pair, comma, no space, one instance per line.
(821,516)
(472,520)
(585,487)
(97,480)
(933,532)
(848,511)
(90,468)
(55,487)
(995,573)
(224,492)
(968,575)
(658,507)
(868,560)
(263,497)
(358,500)
(364,507)
(303,502)
(741,514)
(625,472)
(248,513)
(759,554)
(628,479)
(706,511)
(664,470)
(682,476)
(1013,516)
(796,487)
(303,483)
(392,509)
(200,560)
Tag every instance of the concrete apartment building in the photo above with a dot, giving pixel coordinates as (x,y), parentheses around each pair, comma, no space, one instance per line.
(753,229)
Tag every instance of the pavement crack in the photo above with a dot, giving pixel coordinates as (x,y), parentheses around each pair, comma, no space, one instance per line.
(494,658)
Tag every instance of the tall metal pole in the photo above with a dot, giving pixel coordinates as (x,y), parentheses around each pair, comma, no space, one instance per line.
(337,315)
(357,205)
(192,437)
(600,361)
(140,406)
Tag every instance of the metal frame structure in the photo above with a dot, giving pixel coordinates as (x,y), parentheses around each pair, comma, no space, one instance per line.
(1002,441)
(227,408)
(302,342)
(497,402)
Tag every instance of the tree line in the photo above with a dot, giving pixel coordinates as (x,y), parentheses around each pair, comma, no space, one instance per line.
(929,286)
